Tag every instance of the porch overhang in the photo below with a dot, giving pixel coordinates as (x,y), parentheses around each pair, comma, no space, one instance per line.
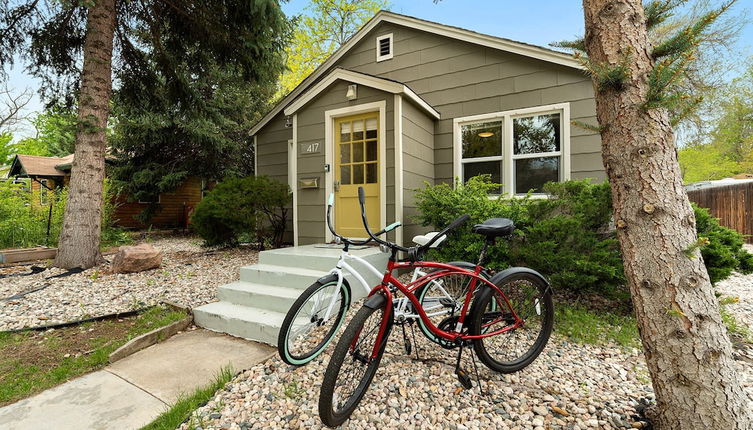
(358,78)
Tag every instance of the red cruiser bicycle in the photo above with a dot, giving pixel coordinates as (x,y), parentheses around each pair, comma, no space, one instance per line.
(508,321)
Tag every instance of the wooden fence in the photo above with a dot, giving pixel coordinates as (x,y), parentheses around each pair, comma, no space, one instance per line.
(732,204)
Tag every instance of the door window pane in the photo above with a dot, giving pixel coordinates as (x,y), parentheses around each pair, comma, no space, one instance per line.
(482,139)
(371,151)
(371,128)
(371,173)
(538,133)
(345,175)
(357,152)
(358,174)
(345,132)
(345,153)
(358,130)
(533,173)
(493,168)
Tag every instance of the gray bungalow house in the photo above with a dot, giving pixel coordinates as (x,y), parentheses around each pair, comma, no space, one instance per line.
(403,102)
(407,101)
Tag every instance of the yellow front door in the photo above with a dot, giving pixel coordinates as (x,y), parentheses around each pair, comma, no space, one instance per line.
(357,164)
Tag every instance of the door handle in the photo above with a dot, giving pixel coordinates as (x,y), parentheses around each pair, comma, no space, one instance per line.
(337,185)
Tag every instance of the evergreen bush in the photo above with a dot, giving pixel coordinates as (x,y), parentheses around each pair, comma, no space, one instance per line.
(568,237)
(243,208)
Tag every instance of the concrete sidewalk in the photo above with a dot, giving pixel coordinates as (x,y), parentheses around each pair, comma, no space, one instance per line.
(135,390)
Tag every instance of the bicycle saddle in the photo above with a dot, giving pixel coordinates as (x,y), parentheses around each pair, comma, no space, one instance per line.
(424,239)
(495,227)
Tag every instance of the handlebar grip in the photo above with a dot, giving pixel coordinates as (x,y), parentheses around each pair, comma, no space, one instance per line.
(392,226)
(361,196)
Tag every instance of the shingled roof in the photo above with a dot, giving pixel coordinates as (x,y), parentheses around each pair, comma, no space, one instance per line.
(34,165)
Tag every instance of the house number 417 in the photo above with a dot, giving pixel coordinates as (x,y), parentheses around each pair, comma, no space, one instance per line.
(310,148)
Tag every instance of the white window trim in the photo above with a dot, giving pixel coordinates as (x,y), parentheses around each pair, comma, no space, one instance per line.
(329,156)
(507,157)
(378,41)
(293,175)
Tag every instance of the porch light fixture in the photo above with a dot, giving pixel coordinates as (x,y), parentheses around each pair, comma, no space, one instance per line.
(288,121)
(485,134)
(352,93)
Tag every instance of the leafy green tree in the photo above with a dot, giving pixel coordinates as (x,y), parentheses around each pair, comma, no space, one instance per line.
(74,45)
(6,149)
(705,162)
(326,26)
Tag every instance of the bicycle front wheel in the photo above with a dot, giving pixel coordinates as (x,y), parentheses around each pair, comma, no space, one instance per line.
(526,296)
(313,321)
(351,367)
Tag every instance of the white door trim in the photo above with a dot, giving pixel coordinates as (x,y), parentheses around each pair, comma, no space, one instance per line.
(399,191)
(329,147)
(293,175)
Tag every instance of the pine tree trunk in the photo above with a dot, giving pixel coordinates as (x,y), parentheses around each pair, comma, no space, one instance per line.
(688,352)
(80,235)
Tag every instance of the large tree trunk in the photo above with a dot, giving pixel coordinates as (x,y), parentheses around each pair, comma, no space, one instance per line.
(80,235)
(688,352)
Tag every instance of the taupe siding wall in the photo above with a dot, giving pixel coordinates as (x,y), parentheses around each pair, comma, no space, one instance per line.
(418,163)
(311,207)
(461,79)
(272,157)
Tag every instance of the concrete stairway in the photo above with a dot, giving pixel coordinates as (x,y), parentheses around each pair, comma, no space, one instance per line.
(254,307)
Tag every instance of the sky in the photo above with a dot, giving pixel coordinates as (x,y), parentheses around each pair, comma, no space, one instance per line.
(538,22)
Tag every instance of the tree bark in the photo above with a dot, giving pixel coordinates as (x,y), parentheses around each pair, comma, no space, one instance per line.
(686,346)
(80,235)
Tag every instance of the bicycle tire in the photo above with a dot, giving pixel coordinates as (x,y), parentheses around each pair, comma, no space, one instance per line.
(487,352)
(354,333)
(296,358)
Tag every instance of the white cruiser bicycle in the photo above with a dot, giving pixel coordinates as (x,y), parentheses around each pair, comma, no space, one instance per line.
(318,313)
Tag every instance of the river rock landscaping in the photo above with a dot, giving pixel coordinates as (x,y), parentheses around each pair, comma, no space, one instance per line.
(189,276)
(570,386)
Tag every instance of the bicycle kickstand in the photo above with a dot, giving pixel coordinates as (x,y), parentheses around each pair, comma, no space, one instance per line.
(463,377)
(415,344)
(406,341)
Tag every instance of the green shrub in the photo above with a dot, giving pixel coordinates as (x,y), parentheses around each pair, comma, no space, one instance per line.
(23,219)
(724,252)
(253,207)
(559,237)
(566,237)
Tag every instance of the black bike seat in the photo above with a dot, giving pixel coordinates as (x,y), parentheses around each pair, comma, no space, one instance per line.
(495,227)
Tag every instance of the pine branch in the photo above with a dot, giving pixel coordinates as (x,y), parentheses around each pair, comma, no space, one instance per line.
(689,37)
(658,11)
(587,126)
(608,76)
(578,45)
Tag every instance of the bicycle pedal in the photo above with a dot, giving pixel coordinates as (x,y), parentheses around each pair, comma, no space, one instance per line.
(464,378)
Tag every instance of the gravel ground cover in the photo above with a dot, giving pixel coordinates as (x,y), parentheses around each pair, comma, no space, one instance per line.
(570,386)
(189,276)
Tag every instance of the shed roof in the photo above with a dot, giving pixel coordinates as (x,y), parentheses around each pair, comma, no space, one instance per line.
(35,165)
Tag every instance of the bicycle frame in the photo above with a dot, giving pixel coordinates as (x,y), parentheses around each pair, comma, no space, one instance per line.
(342,266)
(408,291)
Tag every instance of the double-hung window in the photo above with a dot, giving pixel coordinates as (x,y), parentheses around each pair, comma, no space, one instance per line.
(521,149)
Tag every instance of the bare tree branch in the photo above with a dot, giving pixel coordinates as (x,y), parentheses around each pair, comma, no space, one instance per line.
(12,106)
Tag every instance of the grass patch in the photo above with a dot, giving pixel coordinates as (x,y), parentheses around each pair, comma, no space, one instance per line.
(582,325)
(185,405)
(735,329)
(31,362)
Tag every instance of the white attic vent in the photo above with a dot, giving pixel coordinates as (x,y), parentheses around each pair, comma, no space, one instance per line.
(384,47)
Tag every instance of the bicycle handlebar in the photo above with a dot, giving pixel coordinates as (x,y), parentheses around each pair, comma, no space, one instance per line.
(414,252)
(361,199)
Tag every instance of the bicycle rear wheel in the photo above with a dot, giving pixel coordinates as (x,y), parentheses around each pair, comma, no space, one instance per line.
(531,300)
(351,368)
(305,331)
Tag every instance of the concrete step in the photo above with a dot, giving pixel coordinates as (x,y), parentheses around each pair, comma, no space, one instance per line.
(278,299)
(261,325)
(281,276)
(320,257)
